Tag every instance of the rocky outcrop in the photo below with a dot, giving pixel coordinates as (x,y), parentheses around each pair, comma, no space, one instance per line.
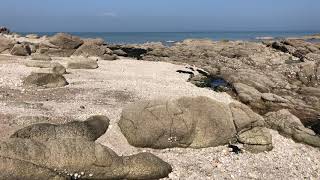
(60,45)
(20,50)
(196,122)
(290,126)
(256,140)
(120,52)
(90,49)
(69,152)
(261,76)
(82,63)
(297,47)
(4,30)
(74,158)
(48,80)
(133,51)
(66,41)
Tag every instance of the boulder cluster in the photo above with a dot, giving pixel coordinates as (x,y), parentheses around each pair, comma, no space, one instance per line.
(268,76)
(68,151)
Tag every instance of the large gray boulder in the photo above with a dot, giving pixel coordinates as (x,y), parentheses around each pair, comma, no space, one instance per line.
(48,80)
(266,76)
(66,41)
(69,152)
(20,50)
(91,130)
(74,158)
(195,122)
(89,49)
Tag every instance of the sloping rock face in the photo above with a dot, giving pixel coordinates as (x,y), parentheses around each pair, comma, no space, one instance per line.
(20,50)
(296,47)
(290,126)
(48,80)
(91,130)
(195,122)
(6,44)
(263,77)
(72,155)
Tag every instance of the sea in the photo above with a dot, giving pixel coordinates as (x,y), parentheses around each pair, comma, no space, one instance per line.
(172,37)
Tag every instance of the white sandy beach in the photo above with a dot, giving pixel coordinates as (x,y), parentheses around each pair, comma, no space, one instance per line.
(114,84)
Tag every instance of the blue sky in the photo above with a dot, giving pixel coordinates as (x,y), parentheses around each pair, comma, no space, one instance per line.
(160,15)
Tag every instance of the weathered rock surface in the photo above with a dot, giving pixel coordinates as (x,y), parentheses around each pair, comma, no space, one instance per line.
(46,159)
(91,130)
(69,152)
(135,51)
(90,49)
(185,122)
(20,50)
(290,126)
(40,57)
(256,140)
(48,80)
(82,63)
(109,57)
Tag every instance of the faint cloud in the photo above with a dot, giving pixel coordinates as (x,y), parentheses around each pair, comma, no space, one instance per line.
(109,14)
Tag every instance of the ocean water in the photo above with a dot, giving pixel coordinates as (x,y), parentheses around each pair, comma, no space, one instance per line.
(171,37)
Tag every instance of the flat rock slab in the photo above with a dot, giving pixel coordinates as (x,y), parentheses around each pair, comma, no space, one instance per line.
(82,63)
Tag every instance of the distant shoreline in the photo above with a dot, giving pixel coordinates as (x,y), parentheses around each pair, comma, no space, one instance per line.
(172,37)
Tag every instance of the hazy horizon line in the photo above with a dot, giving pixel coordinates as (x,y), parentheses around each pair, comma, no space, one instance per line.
(209,31)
